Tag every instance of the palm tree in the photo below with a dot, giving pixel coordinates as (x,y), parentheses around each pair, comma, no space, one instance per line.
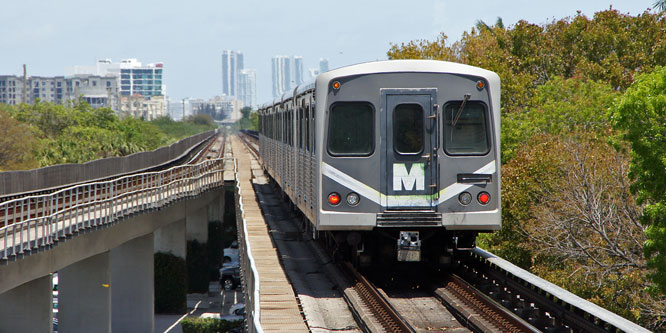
(481,25)
(660,4)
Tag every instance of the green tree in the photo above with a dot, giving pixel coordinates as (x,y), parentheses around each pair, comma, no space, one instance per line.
(641,116)
(17,144)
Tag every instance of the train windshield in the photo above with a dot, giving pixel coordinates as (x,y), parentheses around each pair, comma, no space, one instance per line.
(350,130)
(465,131)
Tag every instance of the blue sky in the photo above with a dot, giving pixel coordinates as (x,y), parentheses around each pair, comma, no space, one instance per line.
(189,36)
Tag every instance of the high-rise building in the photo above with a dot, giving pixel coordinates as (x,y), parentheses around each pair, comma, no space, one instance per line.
(298,71)
(232,63)
(135,78)
(98,91)
(12,90)
(139,79)
(281,70)
(323,65)
(247,87)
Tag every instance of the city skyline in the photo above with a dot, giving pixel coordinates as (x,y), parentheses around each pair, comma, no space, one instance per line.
(62,34)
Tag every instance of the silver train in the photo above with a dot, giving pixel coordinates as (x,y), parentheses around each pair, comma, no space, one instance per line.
(390,160)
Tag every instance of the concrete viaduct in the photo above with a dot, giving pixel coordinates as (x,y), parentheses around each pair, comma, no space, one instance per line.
(98,225)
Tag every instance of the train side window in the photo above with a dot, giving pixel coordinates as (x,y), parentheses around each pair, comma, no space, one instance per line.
(288,127)
(311,132)
(408,129)
(301,129)
(307,129)
(466,131)
(351,129)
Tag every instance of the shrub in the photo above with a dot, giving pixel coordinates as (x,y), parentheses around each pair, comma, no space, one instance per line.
(170,282)
(208,325)
(197,267)
(215,249)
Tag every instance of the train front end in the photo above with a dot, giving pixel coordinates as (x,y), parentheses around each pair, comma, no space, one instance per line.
(410,158)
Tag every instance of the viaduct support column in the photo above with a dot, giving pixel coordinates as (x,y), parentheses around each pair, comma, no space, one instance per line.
(132,290)
(172,238)
(216,207)
(28,307)
(84,295)
(197,225)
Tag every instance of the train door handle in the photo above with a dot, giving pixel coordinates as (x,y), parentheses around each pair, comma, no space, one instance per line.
(426,156)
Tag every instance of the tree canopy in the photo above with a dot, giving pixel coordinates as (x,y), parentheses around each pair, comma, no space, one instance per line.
(43,134)
(583,115)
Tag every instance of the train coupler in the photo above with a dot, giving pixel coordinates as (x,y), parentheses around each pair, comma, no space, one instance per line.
(409,246)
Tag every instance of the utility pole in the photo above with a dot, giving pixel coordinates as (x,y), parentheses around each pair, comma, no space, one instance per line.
(25,83)
(183,117)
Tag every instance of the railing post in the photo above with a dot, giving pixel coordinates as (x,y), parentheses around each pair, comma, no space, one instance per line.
(21,227)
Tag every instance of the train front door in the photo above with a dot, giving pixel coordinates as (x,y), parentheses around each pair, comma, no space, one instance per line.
(409,119)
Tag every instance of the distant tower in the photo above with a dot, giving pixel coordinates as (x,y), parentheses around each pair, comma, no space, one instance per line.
(232,63)
(281,71)
(323,65)
(247,87)
(298,71)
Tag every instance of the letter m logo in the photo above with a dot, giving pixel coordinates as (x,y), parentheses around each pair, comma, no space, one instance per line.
(402,177)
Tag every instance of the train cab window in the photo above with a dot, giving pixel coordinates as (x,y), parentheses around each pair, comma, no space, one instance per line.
(466,131)
(408,129)
(351,129)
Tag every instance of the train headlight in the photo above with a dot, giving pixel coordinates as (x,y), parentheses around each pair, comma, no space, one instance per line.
(334,199)
(484,198)
(465,198)
(353,199)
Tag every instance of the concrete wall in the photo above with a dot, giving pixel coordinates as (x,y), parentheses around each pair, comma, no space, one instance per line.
(12,182)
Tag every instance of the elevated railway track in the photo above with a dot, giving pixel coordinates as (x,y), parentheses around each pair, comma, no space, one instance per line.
(483,292)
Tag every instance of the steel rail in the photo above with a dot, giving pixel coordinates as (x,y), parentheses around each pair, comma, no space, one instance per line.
(387,316)
(477,311)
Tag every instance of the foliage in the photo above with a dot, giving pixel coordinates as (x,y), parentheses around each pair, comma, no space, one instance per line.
(215,249)
(559,106)
(641,115)
(610,47)
(208,325)
(176,130)
(197,267)
(170,283)
(17,144)
(249,119)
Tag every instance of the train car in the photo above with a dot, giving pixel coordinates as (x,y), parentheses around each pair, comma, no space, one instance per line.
(392,159)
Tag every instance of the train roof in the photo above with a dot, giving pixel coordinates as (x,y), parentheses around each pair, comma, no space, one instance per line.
(423,66)
(390,66)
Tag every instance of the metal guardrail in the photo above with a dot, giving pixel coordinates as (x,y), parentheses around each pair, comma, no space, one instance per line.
(251,288)
(609,321)
(36,222)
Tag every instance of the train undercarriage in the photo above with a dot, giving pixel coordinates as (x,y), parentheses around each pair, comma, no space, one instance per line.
(387,246)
